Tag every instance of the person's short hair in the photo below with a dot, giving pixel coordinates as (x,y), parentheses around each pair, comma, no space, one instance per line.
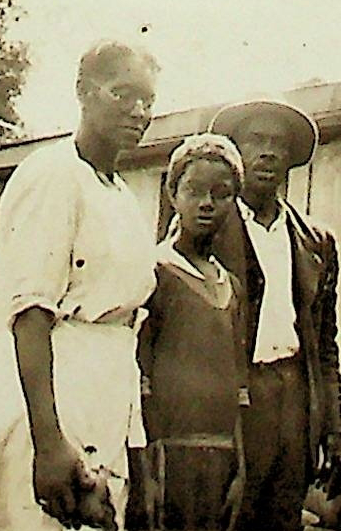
(205,146)
(96,61)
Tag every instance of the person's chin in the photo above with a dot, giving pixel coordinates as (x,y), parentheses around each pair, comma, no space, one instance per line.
(203,231)
(128,143)
(265,187)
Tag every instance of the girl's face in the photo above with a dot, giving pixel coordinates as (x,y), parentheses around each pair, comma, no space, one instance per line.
(204,195)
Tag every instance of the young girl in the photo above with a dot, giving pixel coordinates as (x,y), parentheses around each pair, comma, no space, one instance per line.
(191,348)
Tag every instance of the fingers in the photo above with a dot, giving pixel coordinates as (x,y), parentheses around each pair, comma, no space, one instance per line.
(88,503)
(55,508)
(85,480)
(62,507)
(96,510)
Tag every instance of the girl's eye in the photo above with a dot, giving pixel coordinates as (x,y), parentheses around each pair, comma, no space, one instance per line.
(222,192)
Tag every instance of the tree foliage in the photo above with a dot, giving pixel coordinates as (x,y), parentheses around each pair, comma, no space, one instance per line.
(13,65)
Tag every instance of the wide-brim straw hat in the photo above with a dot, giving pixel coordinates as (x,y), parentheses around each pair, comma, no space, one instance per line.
(303,129)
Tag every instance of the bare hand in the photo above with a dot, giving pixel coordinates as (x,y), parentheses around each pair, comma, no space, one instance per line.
(330,473)
(58,473)
(94,507)
(146,387)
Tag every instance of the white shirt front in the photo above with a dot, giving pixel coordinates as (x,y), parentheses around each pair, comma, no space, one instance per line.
(75,243)
(276,335)
(72,241)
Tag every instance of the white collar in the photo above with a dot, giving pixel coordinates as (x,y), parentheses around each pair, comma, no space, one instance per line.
(116,180)
(248,214)
(285,208)
(166,254)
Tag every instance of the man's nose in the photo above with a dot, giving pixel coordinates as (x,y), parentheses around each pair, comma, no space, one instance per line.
(138,110)
(267,154)
(206,201)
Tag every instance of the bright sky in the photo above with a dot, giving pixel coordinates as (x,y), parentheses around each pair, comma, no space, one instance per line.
(210,51)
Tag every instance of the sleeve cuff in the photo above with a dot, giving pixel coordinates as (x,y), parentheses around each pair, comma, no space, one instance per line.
(21,303)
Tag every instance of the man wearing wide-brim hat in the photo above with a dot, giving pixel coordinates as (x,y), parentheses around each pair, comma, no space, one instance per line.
(289,271)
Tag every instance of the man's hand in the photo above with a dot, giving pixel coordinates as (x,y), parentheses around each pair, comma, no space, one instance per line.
(58,473)
(330,475)
(146,387)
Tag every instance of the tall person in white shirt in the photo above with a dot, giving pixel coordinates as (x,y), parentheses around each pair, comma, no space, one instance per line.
(77,262)
(289,270)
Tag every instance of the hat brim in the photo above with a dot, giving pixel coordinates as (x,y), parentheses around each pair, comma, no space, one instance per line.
(303,129)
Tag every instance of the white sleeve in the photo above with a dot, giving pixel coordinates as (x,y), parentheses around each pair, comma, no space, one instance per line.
(38,217)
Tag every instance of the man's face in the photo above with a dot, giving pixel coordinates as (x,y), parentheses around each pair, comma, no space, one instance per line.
(264,143)
(120,105)
(204,196)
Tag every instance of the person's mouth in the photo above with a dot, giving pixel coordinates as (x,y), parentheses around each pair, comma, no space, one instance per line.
(135,131)
(205,219)
(264,174)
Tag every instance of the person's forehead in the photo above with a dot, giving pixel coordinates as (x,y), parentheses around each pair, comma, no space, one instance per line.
(125,66)
(267,123)
(196,169)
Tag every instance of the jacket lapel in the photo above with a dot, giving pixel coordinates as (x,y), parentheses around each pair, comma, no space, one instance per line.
(233,247)
(307,267)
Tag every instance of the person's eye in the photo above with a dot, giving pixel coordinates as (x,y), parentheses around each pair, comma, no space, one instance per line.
(115,95)
(191,190)
(148,103)
(222,192)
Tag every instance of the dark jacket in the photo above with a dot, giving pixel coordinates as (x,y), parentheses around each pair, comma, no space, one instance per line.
(314,279)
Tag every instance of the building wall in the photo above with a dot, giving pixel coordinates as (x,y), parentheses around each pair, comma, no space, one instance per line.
(146,183)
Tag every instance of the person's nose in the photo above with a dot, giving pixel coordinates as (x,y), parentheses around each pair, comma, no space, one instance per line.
(138,110)
(267,154)
(206,201)
(267,151)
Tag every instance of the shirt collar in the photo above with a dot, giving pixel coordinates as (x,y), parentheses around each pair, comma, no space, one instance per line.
(166,254)
(248,214)
(115,181)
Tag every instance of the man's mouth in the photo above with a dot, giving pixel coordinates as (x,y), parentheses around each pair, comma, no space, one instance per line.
(264,174)
(203,219)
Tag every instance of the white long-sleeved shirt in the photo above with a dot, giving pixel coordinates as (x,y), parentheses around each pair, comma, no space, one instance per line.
(276,335)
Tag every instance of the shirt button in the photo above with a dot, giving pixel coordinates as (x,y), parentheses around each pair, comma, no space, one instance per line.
(80,262)
(275,347)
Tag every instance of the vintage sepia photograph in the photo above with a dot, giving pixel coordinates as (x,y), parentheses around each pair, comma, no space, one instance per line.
(169,265)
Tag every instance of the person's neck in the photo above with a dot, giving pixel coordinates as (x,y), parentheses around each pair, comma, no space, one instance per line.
(266,208)
(195,249)
(98,151)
